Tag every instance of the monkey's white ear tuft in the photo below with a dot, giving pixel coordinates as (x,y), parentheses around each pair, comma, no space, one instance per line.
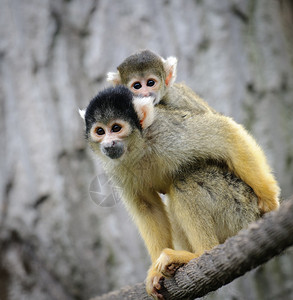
(144,106)
(114,77)
(170,65)
(82,113)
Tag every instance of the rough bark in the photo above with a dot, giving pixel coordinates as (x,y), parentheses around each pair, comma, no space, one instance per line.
(252,247)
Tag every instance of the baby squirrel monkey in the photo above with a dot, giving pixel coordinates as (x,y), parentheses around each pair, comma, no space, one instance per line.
(147,74)
(146,150)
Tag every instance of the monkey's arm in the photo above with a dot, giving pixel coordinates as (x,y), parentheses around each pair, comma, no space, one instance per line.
(149,214)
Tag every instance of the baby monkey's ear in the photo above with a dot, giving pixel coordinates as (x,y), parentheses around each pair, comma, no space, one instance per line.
(114,77)
(144,107)
(170,66)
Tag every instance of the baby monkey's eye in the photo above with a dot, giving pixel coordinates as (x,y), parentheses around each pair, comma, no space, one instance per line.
(151,82)
(116,128)
(100,131)
(137,85)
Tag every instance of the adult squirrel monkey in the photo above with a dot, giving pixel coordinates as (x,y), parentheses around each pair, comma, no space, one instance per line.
(146,150)
(147,74)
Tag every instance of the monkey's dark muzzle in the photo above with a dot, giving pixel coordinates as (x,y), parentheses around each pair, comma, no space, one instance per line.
(114,151)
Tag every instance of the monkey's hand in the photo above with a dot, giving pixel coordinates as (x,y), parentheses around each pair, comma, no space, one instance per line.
(165,266)
(153,283)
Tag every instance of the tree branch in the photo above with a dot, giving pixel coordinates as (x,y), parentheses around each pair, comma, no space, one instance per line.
(250,248)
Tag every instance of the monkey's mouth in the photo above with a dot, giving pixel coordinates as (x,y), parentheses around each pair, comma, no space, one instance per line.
(156,98)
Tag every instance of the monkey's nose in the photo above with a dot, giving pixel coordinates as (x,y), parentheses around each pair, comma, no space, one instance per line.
(144,94)
(144,91)
(113,150)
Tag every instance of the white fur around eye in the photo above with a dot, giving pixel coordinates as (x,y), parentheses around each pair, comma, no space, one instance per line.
(93,133)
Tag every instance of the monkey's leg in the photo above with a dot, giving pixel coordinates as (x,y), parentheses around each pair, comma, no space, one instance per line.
(180,239)
(171,260)
(208,205)
(187,218)
(196,224)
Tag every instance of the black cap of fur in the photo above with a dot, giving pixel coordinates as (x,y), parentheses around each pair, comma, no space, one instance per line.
(110,104)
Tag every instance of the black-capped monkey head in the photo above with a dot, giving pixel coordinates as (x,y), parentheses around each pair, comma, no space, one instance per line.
(114,120)
(146,74)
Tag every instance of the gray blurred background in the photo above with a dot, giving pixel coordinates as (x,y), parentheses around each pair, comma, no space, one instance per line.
(55,241)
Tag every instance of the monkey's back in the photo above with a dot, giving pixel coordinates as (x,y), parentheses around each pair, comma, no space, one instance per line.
(180,96)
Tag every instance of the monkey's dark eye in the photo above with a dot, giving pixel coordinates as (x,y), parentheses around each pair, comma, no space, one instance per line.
(116,128)
(137,85)
(151,82)
(100,131)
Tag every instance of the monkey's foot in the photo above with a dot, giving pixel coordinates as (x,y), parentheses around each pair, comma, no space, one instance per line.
(266,205)
(268,195)
(153,283)
(171,260)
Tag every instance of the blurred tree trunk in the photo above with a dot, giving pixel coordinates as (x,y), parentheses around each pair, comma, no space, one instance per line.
(55,243)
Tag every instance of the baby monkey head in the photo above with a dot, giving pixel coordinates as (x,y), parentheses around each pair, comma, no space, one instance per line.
(113,119)
(146,74)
